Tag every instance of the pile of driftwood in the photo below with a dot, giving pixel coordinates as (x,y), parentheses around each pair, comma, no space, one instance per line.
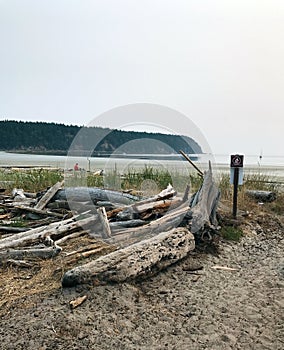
(144,234)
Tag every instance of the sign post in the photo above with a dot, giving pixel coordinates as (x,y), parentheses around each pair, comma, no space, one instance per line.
(237,163)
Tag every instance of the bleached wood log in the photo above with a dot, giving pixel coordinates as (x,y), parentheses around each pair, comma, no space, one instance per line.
(118,225)
(167,193)
(72,236)
(205,203)
(36,230)
(138,260)
(94,194)
(46,198)
(38,211)
(52,230)
(58,204)
(18,263)
(165,223)
(144,210)
(20,254)
(12,229)
(263,196)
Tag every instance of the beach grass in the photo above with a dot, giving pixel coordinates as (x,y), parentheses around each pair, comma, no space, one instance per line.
(148,180)
(31,180)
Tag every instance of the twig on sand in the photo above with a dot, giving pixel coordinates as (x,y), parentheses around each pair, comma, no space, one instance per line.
(225,268)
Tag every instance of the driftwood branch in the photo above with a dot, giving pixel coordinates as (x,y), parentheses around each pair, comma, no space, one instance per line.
(200,173)
(72,236)
(54,230)
(105,231)
(46,198)
(147,209)
(165,223)
(38,211)
(167,193)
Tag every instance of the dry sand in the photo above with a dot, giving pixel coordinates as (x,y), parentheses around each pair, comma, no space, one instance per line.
(177,309)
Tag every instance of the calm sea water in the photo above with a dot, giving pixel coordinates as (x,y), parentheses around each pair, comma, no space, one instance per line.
(271,164)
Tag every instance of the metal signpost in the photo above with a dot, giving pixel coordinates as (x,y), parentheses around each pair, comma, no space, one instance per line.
(237,163)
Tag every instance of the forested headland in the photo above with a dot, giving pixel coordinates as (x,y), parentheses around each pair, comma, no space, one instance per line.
(52,138)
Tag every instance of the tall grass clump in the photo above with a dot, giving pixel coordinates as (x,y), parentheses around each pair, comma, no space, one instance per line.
(160,178)
(134,179)
(95,180)
(261,182)
(195,182)
(33,180)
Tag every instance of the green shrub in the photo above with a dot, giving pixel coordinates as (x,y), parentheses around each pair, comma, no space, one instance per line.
(231,233)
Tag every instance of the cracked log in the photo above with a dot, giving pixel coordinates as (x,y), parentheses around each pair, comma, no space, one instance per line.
(138,260)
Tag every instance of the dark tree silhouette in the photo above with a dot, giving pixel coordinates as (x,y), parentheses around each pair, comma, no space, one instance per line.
(40,137)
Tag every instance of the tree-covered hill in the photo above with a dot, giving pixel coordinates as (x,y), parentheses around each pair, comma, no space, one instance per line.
(40,137)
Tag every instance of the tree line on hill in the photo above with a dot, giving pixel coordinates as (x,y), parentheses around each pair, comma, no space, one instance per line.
(42,137)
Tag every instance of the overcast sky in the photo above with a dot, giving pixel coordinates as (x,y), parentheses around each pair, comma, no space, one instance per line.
(218,62)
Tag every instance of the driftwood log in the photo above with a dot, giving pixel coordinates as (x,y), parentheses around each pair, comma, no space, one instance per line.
(93,194)
(12,229)
(146,210)
(55,231)
(204,204)
(20,254)
(152,233)
(167,193)
(262,196)
(125,237)
(138,260)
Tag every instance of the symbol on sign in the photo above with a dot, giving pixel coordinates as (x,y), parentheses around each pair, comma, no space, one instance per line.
(237,161)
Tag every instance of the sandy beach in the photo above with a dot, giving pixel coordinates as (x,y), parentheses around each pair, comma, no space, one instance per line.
(195,304)
(230,296)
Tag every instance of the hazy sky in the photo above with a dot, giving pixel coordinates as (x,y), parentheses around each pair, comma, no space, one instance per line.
(219,62)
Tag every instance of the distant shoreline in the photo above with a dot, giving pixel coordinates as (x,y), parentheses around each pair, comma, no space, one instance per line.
(173,156)
(37,152)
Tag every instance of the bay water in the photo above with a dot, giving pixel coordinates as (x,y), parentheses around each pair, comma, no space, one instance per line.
(272,165)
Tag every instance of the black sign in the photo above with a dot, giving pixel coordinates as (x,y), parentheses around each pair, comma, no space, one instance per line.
(237,161)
